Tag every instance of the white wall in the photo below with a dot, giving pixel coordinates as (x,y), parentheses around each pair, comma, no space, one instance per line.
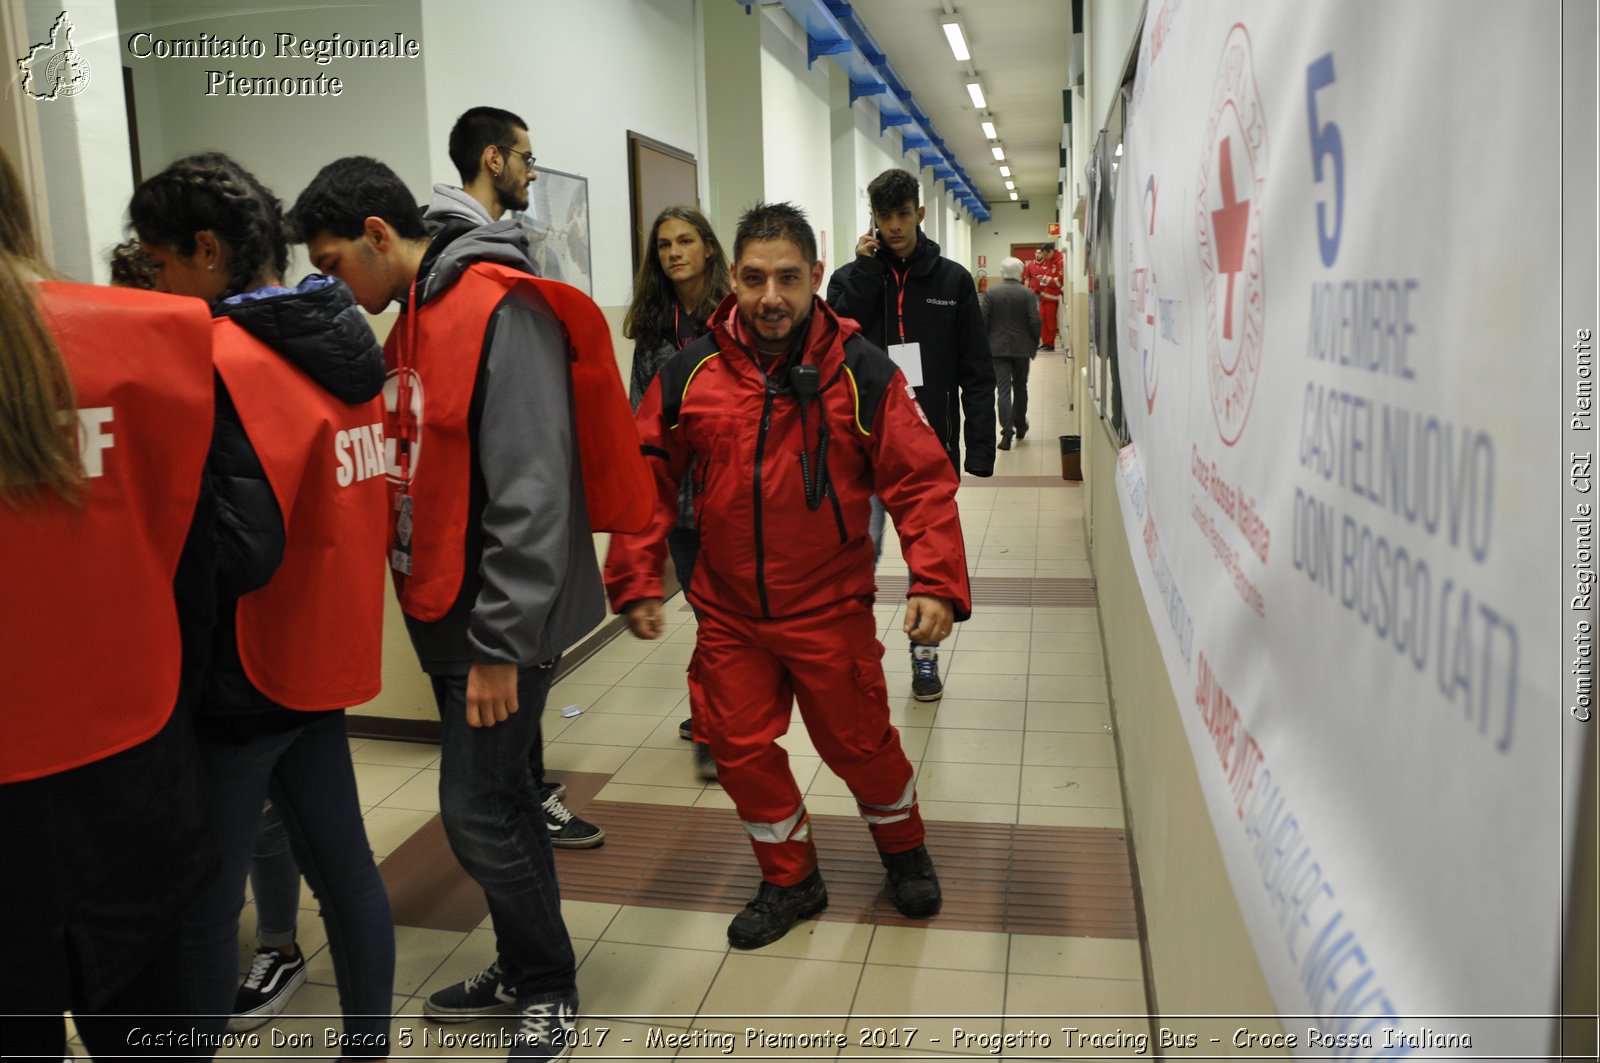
(797,124)
(582,76)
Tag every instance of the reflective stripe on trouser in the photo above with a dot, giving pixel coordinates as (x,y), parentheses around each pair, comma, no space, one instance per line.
(746,675)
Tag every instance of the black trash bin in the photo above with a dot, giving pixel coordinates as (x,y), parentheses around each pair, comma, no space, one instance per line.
(1071,458)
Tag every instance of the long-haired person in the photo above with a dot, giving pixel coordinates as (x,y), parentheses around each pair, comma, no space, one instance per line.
(683,276)
(298,465)
(105,576)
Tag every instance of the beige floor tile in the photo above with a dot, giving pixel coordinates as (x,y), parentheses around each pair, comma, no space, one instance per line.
(419,952)
(420,793)
(980,714)
(821,804)
(609,729)
(1074,619)
(637,925)
(574,692)
(742,995)
(387,828)
(643,701)
(1069,998)
(1089,787)
(814,940)
(1070,749)
(646,981)
(999,618)
(986,687)
(375,782)
(957,950)
(958,746)
(1091,688)
(675,654)
(1077,957)
(912,996)
(1071,816)
(574,756)
(664,735)
(588,919)
(713,796)
(1068,716)
(656,676)
(1065,641)
(972,661)
(1067,664)
(622,648)
(399,754)
(968,812)
(658,767)
(978,783)
(914,741)
(471,953)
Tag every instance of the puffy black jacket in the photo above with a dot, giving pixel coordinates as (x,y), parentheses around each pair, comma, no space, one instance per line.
(319,329)
(941,314)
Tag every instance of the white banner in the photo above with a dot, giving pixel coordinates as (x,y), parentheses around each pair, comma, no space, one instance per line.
(1340,357)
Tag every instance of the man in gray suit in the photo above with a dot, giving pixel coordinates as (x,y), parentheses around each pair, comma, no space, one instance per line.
(1011,313)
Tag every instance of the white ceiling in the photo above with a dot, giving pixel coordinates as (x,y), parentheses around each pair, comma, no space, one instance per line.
(1019,53)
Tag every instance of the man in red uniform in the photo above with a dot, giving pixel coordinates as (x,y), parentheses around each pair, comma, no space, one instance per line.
(1046,276)
(793,422)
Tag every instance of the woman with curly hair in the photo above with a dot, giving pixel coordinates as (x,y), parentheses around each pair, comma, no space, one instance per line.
(298,464)
(683,275)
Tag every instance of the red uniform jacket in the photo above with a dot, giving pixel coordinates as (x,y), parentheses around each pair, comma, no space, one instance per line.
(89,632)
(312,638)
(764,552)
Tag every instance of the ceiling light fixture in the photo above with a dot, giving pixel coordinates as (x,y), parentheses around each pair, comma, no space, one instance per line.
(1005,171)
(958,41)
(988,131)
(999,153)
(1013,195)
(975,90)
(1010,185)
(1119,151)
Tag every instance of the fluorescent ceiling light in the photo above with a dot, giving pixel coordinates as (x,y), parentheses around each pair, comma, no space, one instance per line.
(975,90)
(1005,171)
(988,131)
(999,153)
(958,42)
(1013,195)
(1010,185)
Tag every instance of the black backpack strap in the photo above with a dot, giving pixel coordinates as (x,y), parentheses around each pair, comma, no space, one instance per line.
(870,373)
(679,371)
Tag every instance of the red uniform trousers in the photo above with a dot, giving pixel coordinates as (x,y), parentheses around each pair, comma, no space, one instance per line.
(743,681)
(1047,321)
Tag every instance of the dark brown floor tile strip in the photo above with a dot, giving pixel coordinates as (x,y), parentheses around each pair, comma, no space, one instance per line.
(1029,591)
(996,877)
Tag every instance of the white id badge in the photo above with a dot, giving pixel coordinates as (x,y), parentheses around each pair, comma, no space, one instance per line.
(908,356)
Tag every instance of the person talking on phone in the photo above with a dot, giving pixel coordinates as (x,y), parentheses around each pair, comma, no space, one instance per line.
(923,309)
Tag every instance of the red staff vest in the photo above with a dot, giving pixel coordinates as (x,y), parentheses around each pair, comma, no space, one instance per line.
(618,487)
(312,638)
(89,644)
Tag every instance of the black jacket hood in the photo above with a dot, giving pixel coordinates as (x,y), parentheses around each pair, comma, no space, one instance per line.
(318,328)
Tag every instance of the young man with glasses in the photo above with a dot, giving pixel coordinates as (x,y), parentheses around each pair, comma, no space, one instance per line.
(492,152)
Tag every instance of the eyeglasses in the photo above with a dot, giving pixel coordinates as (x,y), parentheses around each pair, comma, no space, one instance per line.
(527,156)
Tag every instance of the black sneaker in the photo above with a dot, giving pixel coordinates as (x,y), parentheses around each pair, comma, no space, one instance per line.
(913,883)
(544,1031)
(686,730)
(705,765)
(1005,443)
(1022,431)
(266,990)
(567,831)
(559,789)
(925,683)
(480,995)
(774,909)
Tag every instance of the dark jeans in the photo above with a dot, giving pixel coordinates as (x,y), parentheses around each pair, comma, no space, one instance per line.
(490,807)
(308,774)
(275,883)
(1011,377)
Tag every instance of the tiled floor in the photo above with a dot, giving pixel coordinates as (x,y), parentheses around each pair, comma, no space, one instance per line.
(1019,755)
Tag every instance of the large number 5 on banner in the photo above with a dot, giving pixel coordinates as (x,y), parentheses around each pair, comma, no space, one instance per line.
(1325,140)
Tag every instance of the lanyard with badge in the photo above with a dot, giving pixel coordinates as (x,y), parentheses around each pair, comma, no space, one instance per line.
(908,356)
(406,421)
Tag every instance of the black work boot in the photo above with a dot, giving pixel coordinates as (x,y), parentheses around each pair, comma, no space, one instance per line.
(774,909)
(913,883)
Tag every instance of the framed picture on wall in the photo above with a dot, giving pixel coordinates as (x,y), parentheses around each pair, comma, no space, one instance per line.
(557,224)
(659,175)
